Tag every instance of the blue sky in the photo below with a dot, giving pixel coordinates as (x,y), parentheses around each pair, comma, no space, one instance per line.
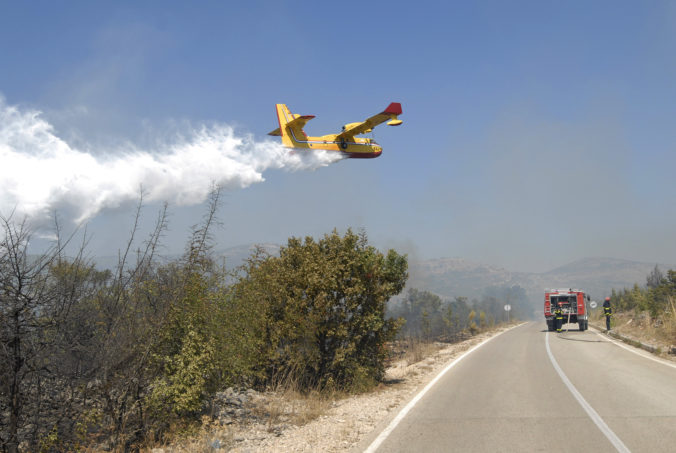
(535,133)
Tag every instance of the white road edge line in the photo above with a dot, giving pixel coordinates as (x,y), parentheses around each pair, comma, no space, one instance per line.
(596,418)
(400,416)
(630,349)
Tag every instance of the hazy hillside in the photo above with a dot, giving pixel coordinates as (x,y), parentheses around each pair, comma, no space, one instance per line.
(450,277)
(600,275)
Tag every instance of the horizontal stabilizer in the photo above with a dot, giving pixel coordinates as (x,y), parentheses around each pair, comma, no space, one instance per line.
(276,133)
(299,121)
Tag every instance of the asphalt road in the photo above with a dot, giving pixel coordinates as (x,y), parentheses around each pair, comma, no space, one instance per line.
(507,396)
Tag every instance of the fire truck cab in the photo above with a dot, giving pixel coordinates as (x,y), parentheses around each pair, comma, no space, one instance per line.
(574,304)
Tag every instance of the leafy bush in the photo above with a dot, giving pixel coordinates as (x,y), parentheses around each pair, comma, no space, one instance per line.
(322,306)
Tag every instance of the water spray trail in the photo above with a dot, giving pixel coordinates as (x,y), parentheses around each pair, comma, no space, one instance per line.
(40,173)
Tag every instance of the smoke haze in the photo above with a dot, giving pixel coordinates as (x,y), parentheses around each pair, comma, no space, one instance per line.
(40,173)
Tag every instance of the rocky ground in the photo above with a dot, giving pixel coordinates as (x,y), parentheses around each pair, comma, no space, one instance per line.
(254,422)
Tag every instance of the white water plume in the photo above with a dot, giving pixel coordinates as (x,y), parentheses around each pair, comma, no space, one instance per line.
(40,173)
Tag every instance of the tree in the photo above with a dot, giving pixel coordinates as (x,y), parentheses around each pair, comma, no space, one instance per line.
(37,294)
(323,304)
(422,312)
(461,310)
(74,337)
(425,325)
(655,278)
(472,323)
(482,320)
(448,319)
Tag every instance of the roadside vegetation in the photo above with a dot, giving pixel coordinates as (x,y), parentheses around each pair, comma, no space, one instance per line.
(429,321)
(125,358)
(429,317)
(649,311)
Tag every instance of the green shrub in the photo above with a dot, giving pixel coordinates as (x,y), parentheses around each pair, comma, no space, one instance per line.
(323,307)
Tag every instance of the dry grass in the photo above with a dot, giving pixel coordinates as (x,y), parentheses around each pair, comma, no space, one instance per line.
(208,437)
(659,332)
(418,350)
(407,353)
(291,407)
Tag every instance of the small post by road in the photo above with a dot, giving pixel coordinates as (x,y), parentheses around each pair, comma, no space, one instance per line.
(568,321)
(507,309)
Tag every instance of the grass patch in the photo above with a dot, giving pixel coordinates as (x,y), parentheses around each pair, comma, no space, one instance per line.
(418,350)
(287,404)
(637,327)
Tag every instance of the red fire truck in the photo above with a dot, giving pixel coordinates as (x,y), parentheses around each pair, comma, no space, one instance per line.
(574,304)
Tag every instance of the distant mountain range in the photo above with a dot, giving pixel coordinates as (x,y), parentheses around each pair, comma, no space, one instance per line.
(450,277)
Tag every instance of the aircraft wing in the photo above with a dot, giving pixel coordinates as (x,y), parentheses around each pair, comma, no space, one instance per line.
(390,112)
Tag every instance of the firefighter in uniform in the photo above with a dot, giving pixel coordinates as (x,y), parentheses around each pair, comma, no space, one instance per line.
(558,315)
(608,312)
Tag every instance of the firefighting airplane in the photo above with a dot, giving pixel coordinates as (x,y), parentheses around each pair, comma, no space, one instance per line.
(291,130)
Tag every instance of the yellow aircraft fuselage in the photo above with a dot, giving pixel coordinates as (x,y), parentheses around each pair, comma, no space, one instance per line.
(293,136)
(357,147)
